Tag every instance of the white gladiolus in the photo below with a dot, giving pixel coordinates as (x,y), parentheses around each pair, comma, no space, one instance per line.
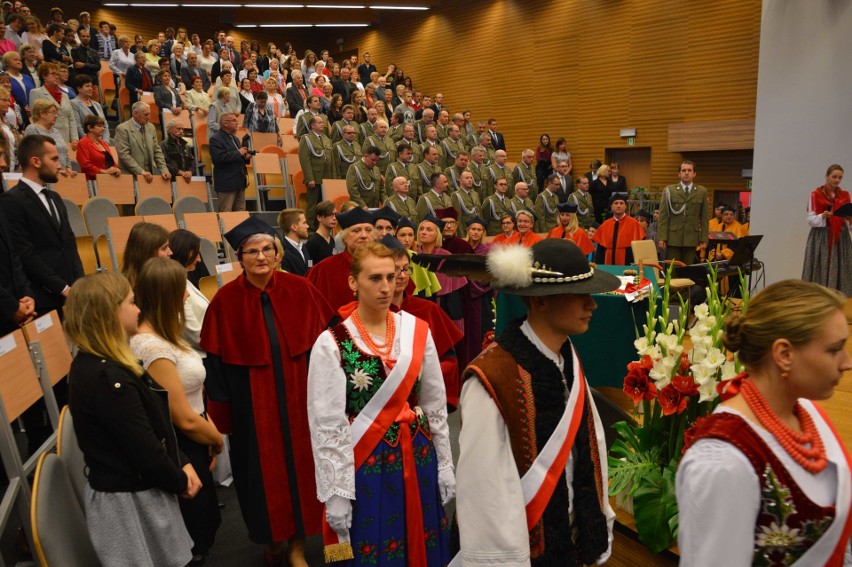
(729,370)
(714,359)
(667,341)
(661,372)
(641,346)
(701,311)
(707,391)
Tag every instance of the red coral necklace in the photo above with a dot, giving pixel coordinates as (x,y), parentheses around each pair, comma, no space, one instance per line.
(384,350)
(805,448)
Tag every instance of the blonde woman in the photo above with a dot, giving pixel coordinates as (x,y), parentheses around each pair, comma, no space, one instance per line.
(45,114)
(122,424)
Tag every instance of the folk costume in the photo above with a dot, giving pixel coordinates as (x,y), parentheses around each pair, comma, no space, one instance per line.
(614,237)
(381,440)
(751,502)
(828,252)
(258,371)
(532,466)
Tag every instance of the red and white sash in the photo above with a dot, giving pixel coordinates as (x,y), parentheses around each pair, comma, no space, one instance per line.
(830,548)
(384,408)
(539,482)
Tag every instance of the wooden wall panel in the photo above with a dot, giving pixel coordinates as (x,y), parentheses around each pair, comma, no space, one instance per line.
(581,69)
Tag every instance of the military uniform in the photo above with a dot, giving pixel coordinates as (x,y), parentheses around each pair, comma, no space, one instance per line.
(495,172)
(337,129)
(420,130)
(365,130)
(468,205)
(481,179)
(406,208)
(424,175)
(683,221)
(316,159)
(442,130)
(585,207)
(345,154)
(386,147)
(451,150)
(364,185)
(525,173)
(416,152)
(407,170)
(490,156)
(303,123)
(437,145)
(492,209)
(395,133)
(518,204)
(453,174)
(546,211)
(429,201)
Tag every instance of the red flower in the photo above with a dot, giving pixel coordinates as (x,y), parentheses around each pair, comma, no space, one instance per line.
(685,385)
(637,385)
(392,545)
(684,364)
(366,549)
(390,458)
(371,460)
(672,401)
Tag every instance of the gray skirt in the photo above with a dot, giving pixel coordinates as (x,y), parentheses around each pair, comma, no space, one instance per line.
(831,268)
(137,528)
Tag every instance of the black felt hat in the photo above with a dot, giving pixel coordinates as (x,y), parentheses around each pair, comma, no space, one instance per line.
(550,267)
(249,227)
(477,220)
(405,222)
(391,242)
(388,214)
(567,207)
(434,220)
(617,197)
(644,214)
(353,217)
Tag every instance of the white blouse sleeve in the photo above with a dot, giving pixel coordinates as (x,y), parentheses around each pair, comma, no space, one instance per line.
(194,309)
(331,435)
(489,497)
(718,496)
(433,402)
(815,220)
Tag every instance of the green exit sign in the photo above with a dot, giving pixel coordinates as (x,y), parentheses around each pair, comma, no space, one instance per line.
(748,184)
(631,141)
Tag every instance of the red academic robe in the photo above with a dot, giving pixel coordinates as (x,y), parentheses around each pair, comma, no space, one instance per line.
(270,443)
(614,238)
(331,278)
(528,240)
(579,237)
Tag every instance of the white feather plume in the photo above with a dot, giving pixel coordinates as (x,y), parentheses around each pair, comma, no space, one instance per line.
(511,266)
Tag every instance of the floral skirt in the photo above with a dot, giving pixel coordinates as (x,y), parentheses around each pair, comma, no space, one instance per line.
(378,512)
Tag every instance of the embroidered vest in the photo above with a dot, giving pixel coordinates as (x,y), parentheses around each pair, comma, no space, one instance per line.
(788,522)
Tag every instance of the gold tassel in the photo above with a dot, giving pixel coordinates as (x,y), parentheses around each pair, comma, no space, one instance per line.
(338,552)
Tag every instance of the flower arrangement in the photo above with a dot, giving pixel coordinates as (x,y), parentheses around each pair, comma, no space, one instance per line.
(670,388)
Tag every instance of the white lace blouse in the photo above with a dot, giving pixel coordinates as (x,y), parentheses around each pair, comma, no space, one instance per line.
(331,436)
(149,348)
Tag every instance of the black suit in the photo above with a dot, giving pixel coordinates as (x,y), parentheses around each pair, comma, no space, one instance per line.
(133,81)
(498,141)
(48,250)
(13,282)
(229,166)
(90,60)
(364,72)
(295,102)
(293,261)
(187,74)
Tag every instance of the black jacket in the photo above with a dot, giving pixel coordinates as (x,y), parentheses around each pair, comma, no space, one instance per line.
(293,261)
(90,60)
(123,427)
(229,166)
(13,282)
(47,251)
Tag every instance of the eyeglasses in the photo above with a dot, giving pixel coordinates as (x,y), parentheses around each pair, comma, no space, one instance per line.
(406,270)
(255,253)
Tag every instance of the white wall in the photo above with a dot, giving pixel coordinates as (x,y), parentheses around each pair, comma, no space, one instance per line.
(803,122)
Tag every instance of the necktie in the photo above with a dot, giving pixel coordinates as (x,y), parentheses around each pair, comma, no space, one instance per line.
(51,206)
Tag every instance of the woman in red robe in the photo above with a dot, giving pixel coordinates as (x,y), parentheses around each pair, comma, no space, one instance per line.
(569,228)
(525,220)
(257,332)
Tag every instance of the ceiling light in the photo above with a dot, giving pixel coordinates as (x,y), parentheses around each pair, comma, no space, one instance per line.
(245,25)
(116,5)
(342,25)
(286,25)
(399,7)
(211,5)
(273,6)
(146,5)
(341,6)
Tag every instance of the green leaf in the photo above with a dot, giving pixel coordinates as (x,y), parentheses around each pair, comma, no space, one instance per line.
(651,513)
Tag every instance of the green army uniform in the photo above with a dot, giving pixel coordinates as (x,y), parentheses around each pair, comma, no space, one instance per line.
(481,179)
(345,154)
(683,222)
(407,170)
(490,156)
(424,175)
(453,174)
(585,207)
(364,131)
(303,123)
(429,201)
(495,172)
(546,211)
(315,157)
(525,173)
(442,131)
(468,205)
(416,152)
(451,150)
(420,130)
(406,208)
(517,204)
(364,185)
(395,133)
(387,151)
(337,129)
(492,209)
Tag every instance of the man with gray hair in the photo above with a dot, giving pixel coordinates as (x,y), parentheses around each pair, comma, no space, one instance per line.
(525,171)
(402,201)
(138,150)
(230,159)
(178,154)
(191,70)
(498,169)
(420,125)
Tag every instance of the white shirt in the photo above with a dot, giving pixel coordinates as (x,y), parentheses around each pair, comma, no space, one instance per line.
(194,309)
(39,191)
(297,245)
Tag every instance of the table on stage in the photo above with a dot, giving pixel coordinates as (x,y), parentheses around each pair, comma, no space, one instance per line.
(607,347)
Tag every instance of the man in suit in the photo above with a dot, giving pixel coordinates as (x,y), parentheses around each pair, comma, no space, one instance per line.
(496,137)
(438,106)
(316,155)
(296,94)
(566,183)
(366,68)
(546,210)
(592,174)
(139,152)
(17,306)
(230,158)
(191,70)
(296,259)
(138,79)
(85,59)
(38,224)
(684,217)
(436,197)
